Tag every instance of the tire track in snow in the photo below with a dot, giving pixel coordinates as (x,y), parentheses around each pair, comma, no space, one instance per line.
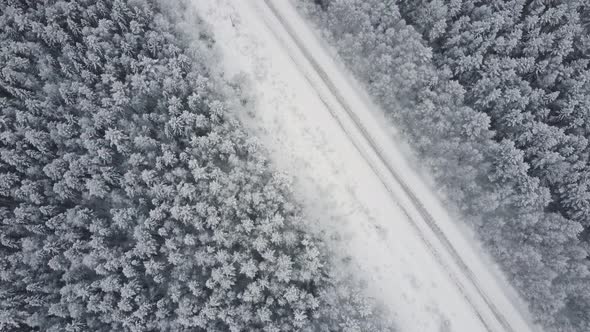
(417,204)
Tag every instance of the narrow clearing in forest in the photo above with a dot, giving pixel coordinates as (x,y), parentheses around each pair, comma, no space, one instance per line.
(352,179)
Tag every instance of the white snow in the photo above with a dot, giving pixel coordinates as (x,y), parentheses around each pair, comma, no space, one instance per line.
(347,190)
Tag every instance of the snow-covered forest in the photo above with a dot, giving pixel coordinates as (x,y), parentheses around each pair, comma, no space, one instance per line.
(130,199)
(136,194)
(494,96)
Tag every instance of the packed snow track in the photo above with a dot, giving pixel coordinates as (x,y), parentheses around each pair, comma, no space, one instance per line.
(321,127)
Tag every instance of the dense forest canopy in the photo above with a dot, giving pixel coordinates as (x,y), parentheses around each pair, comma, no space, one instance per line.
(130,200)
(494,96)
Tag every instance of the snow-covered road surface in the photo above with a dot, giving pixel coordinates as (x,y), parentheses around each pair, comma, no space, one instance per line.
(372,207)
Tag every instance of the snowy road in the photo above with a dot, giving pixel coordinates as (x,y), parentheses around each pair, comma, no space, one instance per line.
(373,208)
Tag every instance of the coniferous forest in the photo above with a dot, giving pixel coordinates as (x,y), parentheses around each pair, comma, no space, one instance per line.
(130,200)
(494,96)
